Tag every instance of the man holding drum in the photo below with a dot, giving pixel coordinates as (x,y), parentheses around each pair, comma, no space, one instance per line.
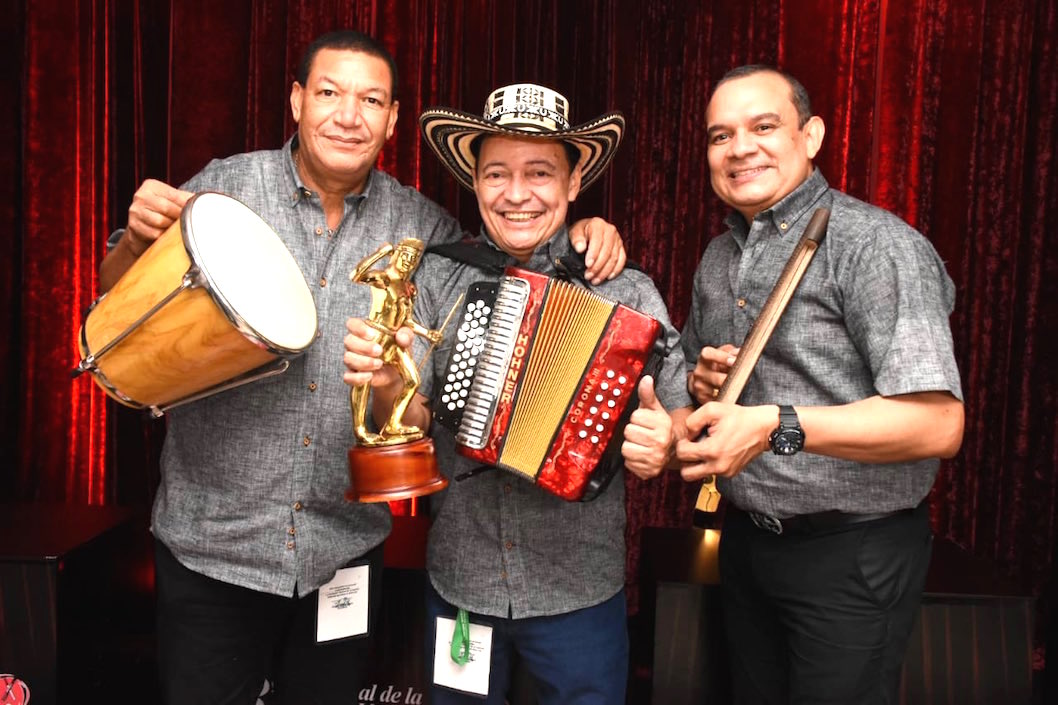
(249,519)
(543,576)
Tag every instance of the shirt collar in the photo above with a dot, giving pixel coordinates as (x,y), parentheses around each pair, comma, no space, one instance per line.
(787,211)
(544,257)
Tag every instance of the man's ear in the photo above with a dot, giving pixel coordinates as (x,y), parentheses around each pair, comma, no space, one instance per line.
(295,100)
(393,110)
(574,184)
(814,131)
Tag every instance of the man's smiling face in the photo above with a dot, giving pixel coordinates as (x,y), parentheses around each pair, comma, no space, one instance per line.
(345,114)
(758,152)
(524,188)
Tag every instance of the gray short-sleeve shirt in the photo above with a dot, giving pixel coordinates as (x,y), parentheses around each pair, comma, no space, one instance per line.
(870,317)
(252,479)
(500,545)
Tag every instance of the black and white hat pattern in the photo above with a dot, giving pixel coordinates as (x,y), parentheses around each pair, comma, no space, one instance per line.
(521,110)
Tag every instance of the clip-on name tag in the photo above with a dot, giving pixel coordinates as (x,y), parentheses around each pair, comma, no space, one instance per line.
(342,605)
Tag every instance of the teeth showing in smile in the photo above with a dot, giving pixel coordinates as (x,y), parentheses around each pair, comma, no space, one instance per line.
(747,172)
(520,217)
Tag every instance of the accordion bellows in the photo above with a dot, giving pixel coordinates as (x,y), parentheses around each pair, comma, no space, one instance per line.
(541,376)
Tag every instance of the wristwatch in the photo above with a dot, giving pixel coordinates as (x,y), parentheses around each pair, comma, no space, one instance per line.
(789,437)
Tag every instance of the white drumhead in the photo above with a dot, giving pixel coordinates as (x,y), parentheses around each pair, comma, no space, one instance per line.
(250,271)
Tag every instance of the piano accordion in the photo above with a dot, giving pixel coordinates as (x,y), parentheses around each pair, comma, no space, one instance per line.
(542,378)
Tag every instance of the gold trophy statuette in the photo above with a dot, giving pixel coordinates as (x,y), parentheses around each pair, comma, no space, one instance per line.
(398,462)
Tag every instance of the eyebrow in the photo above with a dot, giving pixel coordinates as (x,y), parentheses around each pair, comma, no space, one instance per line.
(381,90)
(533,162)
(712,129)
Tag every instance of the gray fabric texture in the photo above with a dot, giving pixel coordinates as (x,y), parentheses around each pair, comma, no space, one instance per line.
(500,545)
(870,317)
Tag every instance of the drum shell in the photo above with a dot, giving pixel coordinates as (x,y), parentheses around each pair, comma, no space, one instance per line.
(187,346)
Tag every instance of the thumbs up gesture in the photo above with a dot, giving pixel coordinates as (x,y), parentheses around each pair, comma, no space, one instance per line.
(648,443)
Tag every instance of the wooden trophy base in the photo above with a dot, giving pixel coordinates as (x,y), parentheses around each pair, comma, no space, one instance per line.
(391,473)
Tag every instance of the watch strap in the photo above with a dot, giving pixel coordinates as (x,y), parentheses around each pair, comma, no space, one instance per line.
(788,417)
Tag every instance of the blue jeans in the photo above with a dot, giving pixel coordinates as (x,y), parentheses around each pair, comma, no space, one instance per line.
(577,658)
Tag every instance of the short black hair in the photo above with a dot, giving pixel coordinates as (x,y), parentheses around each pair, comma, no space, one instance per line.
(570,150)
(347,40)
(798,94)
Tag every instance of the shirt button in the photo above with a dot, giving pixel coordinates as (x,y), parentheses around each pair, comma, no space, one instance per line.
(312,386)
(783,226)
(290,531)
(741,303)
(507,489)
(508,545)
(290,545)
(305,441)
(319,231)
(503,574)
(323,281)
(298,506)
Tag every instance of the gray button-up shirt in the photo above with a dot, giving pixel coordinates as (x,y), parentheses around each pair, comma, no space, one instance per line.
(500,545)
(870,317)
(252,479)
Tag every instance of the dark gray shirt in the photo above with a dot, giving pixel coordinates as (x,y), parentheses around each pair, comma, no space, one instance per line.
(870,317)
(499,544)
(252,479)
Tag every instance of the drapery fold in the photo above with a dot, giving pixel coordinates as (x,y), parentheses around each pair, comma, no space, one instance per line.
(942,111)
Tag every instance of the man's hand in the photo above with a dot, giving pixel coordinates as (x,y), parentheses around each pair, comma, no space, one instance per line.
(710,372)
(603,248)
(649,442)
(363,355)
(736,435)
(155,206)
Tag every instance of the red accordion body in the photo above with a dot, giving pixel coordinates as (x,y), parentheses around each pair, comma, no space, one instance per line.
(553,380)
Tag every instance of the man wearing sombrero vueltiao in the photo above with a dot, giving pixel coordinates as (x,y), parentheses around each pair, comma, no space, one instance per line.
(545,575)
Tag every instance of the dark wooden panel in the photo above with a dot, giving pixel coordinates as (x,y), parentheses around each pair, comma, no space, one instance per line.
(971,643)
(76,604)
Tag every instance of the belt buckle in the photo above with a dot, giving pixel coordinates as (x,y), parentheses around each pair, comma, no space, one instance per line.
(767,523)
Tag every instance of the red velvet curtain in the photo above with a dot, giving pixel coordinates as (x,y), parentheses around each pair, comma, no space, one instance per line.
(940,110)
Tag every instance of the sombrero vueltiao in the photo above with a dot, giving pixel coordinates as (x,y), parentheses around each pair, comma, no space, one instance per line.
(521,110)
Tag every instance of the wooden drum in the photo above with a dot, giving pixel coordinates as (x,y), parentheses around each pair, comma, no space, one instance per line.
(215,302)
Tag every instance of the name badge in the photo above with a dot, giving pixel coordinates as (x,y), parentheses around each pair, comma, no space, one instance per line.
(342,605)
(473,676)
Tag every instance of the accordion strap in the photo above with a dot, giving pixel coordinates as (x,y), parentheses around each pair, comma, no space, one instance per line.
(479,254)
(473,252)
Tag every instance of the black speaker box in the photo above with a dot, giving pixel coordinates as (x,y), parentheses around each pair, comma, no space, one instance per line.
(76,605)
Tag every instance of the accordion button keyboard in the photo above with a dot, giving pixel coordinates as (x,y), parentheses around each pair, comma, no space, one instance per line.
(469,341)
(503,326)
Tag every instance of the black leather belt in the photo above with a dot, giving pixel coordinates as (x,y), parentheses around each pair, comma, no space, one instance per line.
(815,523)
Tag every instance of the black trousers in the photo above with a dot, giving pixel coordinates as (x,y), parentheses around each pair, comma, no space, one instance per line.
(218,642)
(822,617)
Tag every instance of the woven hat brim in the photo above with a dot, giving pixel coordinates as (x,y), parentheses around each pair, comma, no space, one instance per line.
(450,133)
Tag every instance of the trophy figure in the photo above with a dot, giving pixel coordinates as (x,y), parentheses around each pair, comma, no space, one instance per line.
(398,462)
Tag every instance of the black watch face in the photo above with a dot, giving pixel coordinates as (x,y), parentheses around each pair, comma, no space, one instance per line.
(787,441)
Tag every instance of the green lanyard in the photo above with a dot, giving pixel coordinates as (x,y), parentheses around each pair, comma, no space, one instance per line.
(461,638)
